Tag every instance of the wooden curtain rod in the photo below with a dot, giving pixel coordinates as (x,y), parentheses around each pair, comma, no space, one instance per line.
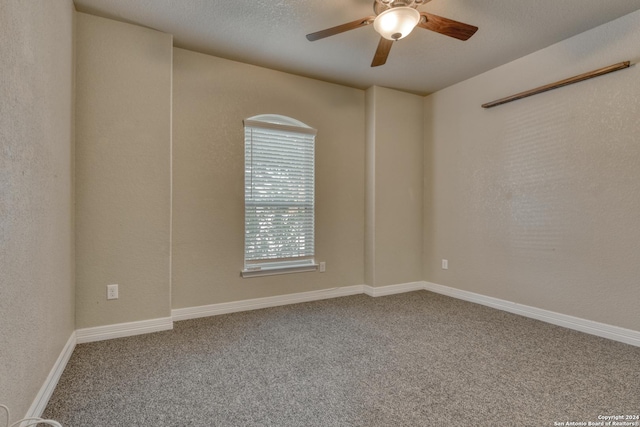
(565,82)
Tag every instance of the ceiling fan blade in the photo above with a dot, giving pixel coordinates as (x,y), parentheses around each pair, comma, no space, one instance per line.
(340,28)
(448,27)
(384,47)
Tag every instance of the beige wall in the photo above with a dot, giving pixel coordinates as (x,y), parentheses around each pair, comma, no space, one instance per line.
(36,196)
(123,137)
(211,98)
(537,201)
(394,187)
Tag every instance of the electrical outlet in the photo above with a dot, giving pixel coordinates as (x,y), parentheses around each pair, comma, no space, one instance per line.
(445,264)
(112,291)
(323,267)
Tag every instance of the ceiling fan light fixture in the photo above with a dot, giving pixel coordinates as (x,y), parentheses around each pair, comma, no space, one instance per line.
(396,23)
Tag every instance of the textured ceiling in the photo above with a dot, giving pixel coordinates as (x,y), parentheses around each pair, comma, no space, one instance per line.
(271,33)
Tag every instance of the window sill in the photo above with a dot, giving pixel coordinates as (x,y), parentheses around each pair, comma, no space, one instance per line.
(271,270)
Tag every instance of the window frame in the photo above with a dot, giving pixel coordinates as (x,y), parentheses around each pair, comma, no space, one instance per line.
(269,265)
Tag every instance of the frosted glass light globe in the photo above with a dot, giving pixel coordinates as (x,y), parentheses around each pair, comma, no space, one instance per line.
(396,23)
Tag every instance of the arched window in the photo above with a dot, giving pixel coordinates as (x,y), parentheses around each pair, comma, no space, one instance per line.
(279,186)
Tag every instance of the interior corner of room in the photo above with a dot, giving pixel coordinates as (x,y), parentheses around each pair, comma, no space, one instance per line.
(122,163)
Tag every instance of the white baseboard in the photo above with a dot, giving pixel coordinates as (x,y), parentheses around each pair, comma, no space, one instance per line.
(594,328)
(603,330)
(380,291)
(42,398)
(257,303)
(120,330)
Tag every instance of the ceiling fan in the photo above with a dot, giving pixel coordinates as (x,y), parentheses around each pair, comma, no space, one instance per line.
(394,20)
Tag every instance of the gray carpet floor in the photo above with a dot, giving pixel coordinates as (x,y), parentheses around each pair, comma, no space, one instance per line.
(414,359)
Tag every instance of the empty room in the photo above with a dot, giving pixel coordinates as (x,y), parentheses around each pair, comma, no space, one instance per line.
(319,213)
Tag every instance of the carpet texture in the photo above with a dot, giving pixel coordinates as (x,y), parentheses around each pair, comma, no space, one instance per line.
(414,359)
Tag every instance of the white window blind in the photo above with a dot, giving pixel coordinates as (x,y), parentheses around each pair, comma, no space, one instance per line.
(279,192)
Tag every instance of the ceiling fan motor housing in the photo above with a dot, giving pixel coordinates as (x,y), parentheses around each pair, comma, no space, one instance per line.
(380,6)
